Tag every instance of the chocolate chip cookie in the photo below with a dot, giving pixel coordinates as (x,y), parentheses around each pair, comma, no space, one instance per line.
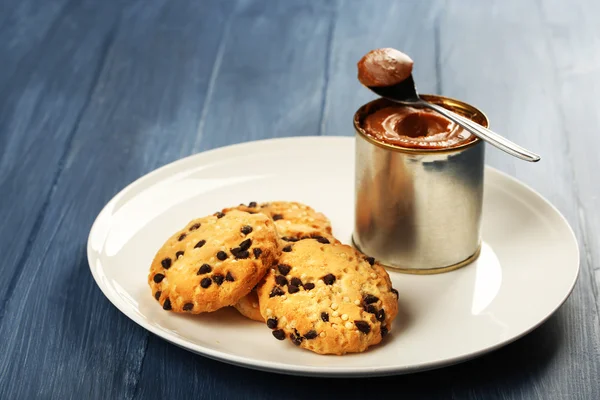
(294,221)
(213,262)
(328,298)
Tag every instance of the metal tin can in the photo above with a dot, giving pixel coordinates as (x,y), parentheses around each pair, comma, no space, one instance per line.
(419,210)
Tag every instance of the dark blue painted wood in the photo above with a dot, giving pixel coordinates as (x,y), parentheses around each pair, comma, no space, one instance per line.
(62,339)
(45,87)
(95,94)
(270,75)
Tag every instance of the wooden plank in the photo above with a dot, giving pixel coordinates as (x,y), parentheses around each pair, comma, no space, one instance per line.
(271,74)
(61,337)
(576,56)
(41,103)
(24,24)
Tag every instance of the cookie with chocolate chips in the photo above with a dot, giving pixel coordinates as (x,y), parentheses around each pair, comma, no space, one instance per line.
(293,221)
(328,298)
(213,262)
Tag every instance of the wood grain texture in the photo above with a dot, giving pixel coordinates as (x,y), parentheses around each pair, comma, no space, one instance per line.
(96,94)
(576,62)
(269,80)
(62,339)
(42,99)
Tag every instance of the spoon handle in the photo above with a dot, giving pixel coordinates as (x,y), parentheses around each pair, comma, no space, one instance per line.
(486,134)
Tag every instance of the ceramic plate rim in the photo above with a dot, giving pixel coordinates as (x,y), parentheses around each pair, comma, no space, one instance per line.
(304,370)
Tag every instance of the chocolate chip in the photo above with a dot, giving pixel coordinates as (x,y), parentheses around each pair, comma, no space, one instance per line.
(287,248)
(246,229)
(280,280)
(284,269)
(279,334)
(221,255)
(384,331)
(276,292)
(381,315)
(311,334)
(296,281)
(370,260)
(205,282)
(395,292)
(218,279)
(200,244)
(257,252)
(239,253)
(179,254)
(289,239)
(167,304)
(194,227)
(229,277)
(325,316)
(277,217)
(296,339)
(252,204)
(363,326)
(219,214)
(182,236)
(369,299)
(371,309)
(272,323)
(245,245)
(158,278)
(329,279)
(321,239)
(204,269)
(188,306)
(309,286)
(166,263)
(157,294)
(293,289)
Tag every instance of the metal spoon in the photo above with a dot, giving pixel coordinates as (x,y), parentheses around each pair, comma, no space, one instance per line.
(406,94)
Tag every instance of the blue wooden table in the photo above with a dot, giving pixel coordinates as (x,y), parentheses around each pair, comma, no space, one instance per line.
(94,94)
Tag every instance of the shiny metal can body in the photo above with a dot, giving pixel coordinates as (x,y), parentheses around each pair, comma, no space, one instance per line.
(419,210)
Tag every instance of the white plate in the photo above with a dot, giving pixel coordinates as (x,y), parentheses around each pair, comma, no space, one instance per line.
(527,269)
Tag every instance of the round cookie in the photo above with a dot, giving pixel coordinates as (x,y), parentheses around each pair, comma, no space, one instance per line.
(294,221)
(248,307)
(213,262)
(328,298)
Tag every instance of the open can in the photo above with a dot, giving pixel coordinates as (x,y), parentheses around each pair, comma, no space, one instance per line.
(419,210)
